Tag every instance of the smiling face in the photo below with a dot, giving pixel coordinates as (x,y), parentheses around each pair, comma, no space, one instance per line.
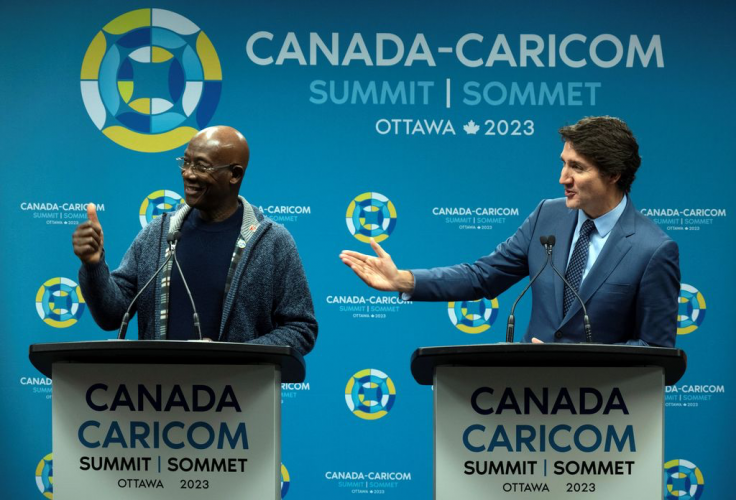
(585,188)
(215,194)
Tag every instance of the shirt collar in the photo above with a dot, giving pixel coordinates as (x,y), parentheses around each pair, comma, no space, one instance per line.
(605,222)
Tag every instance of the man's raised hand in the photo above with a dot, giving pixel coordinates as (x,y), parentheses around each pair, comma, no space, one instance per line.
(88,238)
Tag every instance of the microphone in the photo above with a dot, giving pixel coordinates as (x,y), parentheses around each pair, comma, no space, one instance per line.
(510,323)
(171,240)
(197,328)
(586,320)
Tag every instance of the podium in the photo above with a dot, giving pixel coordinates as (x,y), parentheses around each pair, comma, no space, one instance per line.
(166,419)
(553,421)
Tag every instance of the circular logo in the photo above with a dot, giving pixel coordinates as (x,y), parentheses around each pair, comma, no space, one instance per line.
(45,476)
(692,309)
(370,394)
(683,480)
(158,203)
(285,481)
(473,316)
(59,302)
(150,80)
(371,215)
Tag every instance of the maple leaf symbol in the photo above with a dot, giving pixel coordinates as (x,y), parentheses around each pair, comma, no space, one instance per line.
(471,128)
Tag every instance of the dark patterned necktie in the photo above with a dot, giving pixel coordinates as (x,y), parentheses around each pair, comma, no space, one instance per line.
(574,273)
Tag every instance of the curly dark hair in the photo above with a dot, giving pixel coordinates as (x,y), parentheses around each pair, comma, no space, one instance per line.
(608,143)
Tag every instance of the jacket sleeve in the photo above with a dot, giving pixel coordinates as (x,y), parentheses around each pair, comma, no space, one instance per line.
(657,301)
(292,314)
(488,277)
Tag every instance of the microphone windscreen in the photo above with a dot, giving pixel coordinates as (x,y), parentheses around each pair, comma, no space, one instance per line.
(551,240)
(543,240)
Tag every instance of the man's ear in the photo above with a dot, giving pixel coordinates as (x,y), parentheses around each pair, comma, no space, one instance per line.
(614,179)
(237,173)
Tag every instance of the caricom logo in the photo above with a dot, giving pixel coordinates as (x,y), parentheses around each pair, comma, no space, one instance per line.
(692,309)
(285,481)
(59,302)
(473,316)
(45,476)
(371,215)
(370,394)
(683,480)
(150,80)
(158,203)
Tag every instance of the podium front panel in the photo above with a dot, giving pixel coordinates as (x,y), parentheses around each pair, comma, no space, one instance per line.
(166,432)
(555,433)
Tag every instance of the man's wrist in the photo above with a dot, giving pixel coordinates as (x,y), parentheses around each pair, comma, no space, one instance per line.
(405,282)
(93,267)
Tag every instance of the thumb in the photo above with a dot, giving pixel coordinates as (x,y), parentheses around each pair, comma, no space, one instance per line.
(377,248)
(92,213)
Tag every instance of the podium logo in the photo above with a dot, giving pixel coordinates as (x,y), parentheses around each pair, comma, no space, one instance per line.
(59,302)
(45,476)
(473,316)
(285,481)
(683,480)
(150,80)
(692,309)
(371,215)
(158,203)
(370,394)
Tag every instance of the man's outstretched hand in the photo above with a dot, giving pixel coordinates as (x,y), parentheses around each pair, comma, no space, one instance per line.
(378,272)
(88,238)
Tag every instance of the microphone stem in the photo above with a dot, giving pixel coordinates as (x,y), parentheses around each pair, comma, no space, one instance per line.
(197,328)
(510,323)
(126,317)
(123,326)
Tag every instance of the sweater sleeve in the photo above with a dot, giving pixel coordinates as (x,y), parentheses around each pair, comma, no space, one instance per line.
(108,294)
(295,324)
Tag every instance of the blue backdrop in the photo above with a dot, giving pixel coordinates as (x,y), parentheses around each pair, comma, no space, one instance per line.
(445,114)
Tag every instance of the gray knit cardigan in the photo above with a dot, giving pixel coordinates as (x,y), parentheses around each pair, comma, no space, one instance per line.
(267,296)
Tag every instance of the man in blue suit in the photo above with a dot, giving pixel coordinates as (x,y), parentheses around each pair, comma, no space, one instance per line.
(622,265)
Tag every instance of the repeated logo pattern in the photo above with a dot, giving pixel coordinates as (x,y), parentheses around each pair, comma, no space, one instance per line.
(150,80)
(473,316)
(59,302)
(285,481)
(45,476)
(370,394)
(683,480)
(371,215)
(692,309)
(158,203)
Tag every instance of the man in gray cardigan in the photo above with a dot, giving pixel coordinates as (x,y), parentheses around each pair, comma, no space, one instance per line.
(243,269)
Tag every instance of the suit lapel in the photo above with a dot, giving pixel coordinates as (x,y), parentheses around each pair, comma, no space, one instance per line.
(616,247)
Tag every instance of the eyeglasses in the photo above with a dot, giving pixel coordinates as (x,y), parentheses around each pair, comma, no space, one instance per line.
(186,164)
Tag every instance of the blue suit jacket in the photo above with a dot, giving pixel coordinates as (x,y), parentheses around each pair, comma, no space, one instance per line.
(631,292)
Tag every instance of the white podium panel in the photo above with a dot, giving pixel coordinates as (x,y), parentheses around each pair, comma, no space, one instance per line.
(166,432)
(554,433)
